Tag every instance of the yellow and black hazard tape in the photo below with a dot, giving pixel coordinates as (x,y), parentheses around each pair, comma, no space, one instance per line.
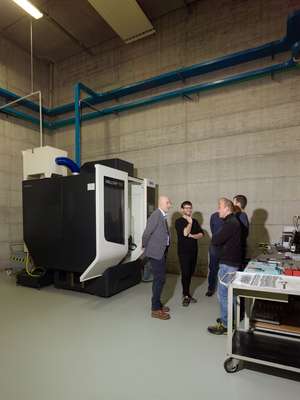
(18,259)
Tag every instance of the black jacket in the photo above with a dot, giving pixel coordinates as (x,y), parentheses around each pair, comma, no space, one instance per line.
(229,239)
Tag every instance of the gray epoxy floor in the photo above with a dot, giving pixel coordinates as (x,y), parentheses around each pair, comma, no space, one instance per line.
(62,345)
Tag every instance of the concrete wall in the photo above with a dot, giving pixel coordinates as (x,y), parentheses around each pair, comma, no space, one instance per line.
(15,137)
(242,139)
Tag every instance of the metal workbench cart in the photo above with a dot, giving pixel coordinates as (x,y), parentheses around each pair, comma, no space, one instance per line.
(273,345)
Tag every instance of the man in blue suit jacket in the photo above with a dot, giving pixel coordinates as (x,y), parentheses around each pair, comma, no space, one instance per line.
(155,241)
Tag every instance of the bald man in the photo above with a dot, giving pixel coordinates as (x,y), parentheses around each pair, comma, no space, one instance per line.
(155,241)
(229,240)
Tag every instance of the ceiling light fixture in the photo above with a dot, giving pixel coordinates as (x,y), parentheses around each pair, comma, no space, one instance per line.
(29,8)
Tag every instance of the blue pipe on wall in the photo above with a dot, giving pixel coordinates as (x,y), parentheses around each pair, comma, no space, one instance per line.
(177,75)
(179,92)
(26,117)
(266,50)
(77,89)
(154,99)
(8,95)
(180,74)
(270,49)
(258,73)
(291,41)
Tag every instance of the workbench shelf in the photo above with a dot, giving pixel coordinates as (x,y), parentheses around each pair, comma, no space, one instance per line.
(260,347)
(273,345)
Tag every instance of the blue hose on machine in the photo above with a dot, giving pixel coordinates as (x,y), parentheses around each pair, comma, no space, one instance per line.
(67,162)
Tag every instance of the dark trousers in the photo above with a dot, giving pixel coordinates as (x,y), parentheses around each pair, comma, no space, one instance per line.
(159,278)
(188,263)
(213,268)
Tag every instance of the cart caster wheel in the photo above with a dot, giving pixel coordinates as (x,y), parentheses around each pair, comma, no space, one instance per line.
(231,365)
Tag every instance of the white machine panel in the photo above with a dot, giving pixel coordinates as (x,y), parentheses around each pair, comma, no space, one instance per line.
(111,220)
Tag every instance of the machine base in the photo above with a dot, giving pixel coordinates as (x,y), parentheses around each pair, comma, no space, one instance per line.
(114,280)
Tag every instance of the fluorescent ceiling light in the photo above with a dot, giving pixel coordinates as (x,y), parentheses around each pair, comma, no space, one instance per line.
(29,8)
(125,17)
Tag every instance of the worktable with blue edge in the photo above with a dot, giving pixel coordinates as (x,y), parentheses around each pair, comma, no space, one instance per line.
(249,339)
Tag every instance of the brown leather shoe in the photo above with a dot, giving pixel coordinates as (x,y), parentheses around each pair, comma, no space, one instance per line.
(160,314)
(165,309)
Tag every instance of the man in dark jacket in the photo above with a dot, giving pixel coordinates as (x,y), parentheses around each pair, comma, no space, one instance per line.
(229,240)
(213,267)
(240,202)
(155,241)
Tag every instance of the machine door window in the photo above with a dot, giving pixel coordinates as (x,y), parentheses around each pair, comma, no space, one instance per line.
(114,210)
(151,200)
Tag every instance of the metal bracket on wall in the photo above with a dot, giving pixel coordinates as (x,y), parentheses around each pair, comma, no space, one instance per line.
(186,97)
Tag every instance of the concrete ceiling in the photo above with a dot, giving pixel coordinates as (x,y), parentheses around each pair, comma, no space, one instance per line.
(68,26)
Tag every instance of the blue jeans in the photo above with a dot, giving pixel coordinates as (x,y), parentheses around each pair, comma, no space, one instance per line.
(213,268)
(159,278)
(223,290)
(147,273)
